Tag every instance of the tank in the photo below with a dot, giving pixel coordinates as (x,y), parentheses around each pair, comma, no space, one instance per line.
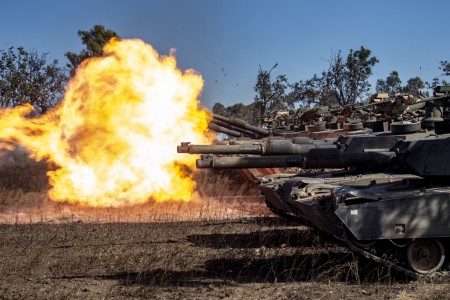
(394,210)
(384,195)
(399,113)
(388,202)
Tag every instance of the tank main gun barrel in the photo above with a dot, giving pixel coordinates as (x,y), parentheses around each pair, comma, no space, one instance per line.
(268,147)
(224,130)
(314,159)
(223,124)
(237,162)
(219,149)
(424,157)
(242,124)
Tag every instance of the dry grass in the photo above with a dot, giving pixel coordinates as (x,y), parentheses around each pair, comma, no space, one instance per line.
(278,258)
(219,195)
(224,183)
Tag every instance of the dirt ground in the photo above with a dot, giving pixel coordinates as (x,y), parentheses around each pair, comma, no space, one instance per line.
(220,247)
(260,257)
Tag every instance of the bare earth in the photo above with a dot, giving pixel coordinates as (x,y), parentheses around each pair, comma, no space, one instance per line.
(252,258)
(220,247)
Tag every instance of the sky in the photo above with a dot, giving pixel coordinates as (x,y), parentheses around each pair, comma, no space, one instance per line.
(227,41)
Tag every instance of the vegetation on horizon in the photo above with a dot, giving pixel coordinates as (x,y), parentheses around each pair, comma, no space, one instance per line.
(346,82)
(29,77)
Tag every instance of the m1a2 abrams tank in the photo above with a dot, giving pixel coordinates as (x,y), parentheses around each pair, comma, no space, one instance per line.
(390,202)
(385,195)
(398,216)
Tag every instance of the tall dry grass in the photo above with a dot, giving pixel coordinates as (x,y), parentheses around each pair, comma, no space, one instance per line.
(218,195)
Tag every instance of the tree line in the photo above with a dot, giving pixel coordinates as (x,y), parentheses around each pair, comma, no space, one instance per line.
(31,77)
(346,82)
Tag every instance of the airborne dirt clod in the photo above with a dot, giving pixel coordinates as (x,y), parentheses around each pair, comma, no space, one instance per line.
(221,247)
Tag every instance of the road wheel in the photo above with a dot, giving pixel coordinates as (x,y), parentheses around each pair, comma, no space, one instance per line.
(426,255)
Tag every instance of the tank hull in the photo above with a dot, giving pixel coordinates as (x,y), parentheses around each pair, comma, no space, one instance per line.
(399,220)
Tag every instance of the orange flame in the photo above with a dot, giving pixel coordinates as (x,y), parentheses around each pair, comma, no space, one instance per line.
(113,137)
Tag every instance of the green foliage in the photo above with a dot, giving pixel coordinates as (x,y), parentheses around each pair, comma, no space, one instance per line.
(445,67)
(344,83)
(270,96)
(312,93)
(392,84)
(307,92)
(27,77)
(278,95)
(436,82)
(348,80)
(219,109)
(414,85)
(239,110)
(94,40)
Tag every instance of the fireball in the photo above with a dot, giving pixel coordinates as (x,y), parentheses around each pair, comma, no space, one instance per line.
(112,138)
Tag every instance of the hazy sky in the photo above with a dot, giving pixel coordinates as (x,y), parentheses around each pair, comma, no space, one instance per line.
(227,40)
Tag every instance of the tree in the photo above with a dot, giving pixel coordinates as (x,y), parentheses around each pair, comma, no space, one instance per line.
(445,67)
(312,93)
(27,77)
(263,88)
(219,109)
(94,40)
(414,85)
(238,110)
(391,85)
(348,80)
(272,96)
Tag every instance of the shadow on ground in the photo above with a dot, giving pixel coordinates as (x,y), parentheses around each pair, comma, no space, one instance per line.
(311,260)
(270,239)
(296,268)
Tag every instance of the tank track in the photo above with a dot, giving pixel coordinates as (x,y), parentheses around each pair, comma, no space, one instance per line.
(390,257)
(387,255)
